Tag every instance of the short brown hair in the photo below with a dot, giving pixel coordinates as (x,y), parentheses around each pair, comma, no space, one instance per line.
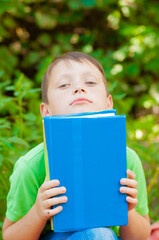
(75,56)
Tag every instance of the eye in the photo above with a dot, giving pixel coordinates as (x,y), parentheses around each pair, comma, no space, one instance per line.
(90,83)
(64,85)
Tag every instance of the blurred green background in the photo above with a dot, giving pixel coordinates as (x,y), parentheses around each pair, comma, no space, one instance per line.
(123,35)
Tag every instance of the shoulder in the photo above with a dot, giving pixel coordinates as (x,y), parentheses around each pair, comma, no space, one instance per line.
(32,157)
(35,157)
(131,153)
(34,153)
(31,163)
(133,159)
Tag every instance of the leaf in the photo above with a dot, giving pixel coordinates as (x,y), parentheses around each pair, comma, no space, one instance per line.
(10,60)
(5,5)
(1,159)
(34,90)
(7,143)
(31,58)
(113,86)
(133,70)
(18,141)
(5,125)
(44,39)
(10,88)
(119,96)
(1,73)
(9,22)
(153,65)
(30,117)
(75,5)
(46,21)
(88,3)
(4,32)
(4,84)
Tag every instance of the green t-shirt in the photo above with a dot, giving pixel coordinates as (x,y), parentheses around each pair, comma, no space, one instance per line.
(29,174)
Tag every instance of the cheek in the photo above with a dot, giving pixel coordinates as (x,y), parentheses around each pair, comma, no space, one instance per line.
(100,94)
(102,99)
(53,101)
(59,100)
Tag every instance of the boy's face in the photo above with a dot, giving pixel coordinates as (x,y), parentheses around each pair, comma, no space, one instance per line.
(75,87)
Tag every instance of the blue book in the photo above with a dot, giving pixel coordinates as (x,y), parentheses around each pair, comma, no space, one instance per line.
(87,153)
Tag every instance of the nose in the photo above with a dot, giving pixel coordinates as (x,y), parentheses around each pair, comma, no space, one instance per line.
(79,90)
(78,86)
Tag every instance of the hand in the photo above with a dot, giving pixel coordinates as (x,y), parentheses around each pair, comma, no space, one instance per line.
(130,190)
(46,198)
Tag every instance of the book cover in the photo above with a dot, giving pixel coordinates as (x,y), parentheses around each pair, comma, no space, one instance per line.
(87,153)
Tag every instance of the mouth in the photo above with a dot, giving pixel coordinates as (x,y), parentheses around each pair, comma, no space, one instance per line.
(80,101)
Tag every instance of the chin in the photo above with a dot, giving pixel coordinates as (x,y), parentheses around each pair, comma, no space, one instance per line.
(83,109)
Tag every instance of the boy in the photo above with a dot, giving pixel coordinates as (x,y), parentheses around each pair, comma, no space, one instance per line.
(73,83)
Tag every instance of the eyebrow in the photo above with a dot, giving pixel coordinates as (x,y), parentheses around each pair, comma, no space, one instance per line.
(64,75)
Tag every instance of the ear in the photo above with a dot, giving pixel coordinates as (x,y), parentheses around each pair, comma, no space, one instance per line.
(109,102)
(44,110)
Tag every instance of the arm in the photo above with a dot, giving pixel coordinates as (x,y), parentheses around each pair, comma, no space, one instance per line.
(32,224)
(138,226)
(28,227)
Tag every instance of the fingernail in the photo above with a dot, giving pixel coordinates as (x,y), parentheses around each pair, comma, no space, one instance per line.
(128,198)
(123,181)
(57,182)
(122,190)
(59,208)
(65,199)
(63,189)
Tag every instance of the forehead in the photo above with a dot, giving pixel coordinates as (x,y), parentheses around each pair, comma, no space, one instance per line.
(74,67)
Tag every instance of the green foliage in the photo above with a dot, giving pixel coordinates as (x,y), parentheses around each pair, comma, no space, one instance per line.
(122,35)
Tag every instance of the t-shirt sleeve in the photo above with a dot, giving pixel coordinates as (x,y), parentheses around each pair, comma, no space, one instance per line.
(134,164)
(24,186)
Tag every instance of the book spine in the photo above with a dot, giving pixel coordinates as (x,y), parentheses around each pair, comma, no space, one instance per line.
(78,171)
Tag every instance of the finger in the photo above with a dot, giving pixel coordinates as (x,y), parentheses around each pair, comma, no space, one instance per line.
(49,184)
(54,211)
(53,192)
(129,191)
(130,174)
(54,201)
(129,182)
(132,200)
